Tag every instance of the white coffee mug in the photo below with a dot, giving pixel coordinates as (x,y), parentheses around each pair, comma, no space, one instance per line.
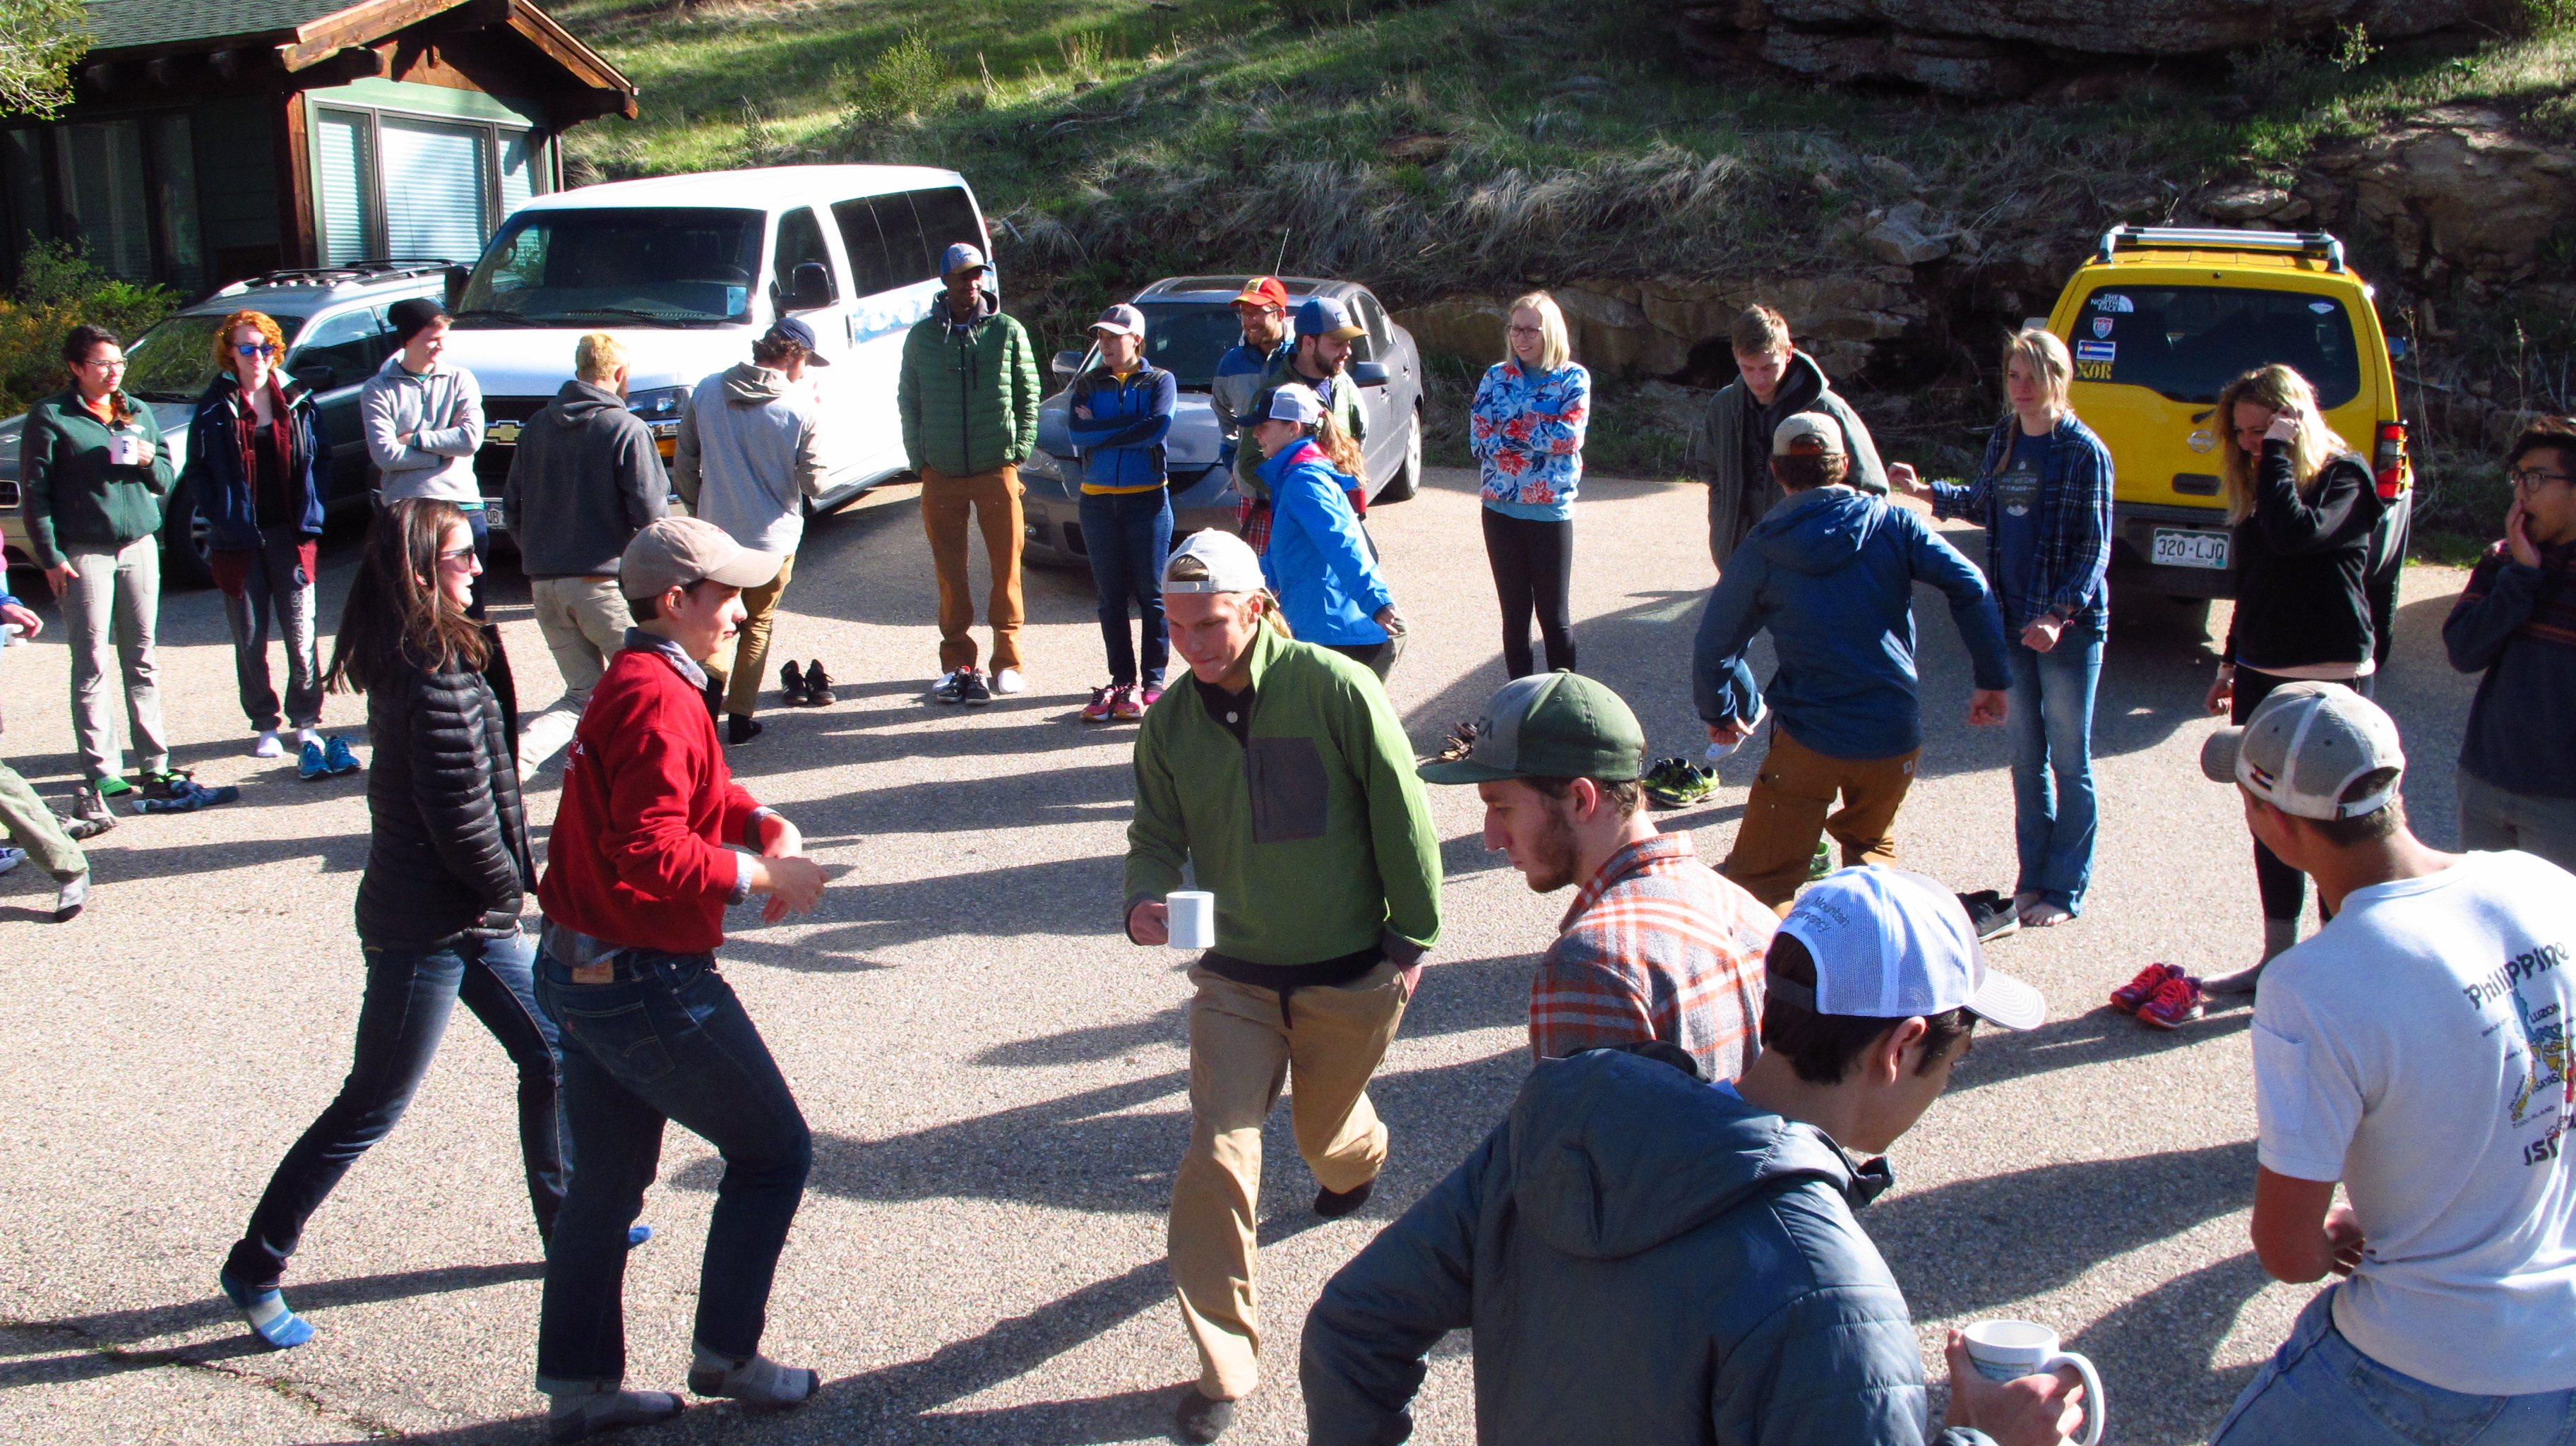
(124,449)
(2007,1350)
(1192,918)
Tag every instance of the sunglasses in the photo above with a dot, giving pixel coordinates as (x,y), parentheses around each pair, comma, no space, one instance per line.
(257,349)
(459,555)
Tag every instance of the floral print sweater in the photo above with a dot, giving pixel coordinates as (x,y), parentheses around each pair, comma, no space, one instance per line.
(1527,434)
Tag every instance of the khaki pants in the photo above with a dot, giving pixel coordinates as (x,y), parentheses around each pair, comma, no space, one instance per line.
(741,683)
(1241,1053)
(584,622)
(1792,803)
(26,822)
(115,596)
(991,500)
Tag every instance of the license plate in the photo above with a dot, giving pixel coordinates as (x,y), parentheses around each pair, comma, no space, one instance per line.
(503,432)
(2176,547)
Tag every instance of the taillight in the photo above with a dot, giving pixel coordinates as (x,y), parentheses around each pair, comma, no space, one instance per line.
(2390,462)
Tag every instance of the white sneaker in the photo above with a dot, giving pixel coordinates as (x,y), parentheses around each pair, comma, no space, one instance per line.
(1008,680)
(11,858)
(268,746)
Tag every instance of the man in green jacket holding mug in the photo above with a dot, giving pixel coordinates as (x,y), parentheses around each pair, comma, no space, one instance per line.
(94,479)
(1281,776)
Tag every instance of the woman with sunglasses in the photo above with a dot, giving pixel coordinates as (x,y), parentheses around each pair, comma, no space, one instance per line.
(438,908)
(2515,622)
(255,452)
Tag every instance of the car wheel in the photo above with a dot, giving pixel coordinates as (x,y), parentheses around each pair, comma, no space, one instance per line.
(1409,476)
(185,543)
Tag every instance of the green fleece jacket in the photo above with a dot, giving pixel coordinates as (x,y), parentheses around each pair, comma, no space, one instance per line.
(1316,840)
(969,398)
(72,496)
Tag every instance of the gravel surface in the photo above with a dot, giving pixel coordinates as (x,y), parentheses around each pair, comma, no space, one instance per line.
(995,1077)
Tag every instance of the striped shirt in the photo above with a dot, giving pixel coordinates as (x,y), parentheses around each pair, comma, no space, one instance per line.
(1656,946)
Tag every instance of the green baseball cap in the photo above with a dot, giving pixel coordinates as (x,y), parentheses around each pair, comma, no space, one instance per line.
(1547,725)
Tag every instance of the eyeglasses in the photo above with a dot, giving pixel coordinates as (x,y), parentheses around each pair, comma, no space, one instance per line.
(110,364)
(258,349)
(2532,479)
(1527,331)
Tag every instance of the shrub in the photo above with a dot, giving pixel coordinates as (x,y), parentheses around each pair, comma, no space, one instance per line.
(58,289)
(905,78)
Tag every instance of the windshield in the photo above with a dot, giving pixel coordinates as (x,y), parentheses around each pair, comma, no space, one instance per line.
(2188,342)
(174,361)
(663,267)
(1185,339)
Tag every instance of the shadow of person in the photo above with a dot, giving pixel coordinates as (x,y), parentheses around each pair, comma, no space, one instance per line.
(2105,1035)
(2157,1353)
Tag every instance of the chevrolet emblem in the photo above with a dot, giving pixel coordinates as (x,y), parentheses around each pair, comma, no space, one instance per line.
(504,432)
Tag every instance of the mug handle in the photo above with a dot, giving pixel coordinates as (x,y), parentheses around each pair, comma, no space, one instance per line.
(2095,1408)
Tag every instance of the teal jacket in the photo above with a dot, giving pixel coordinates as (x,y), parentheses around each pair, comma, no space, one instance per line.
(1316,840)
(969,398)
(71,495)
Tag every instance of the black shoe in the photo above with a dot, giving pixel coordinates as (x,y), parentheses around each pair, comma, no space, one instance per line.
(972,690)
(1333,1204)
(1201,1420)
(792,683)
(740,730)
(1991,913)
(951,687)
(818,685)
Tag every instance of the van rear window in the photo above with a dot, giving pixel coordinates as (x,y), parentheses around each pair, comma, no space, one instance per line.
(897,240)
(2188,342)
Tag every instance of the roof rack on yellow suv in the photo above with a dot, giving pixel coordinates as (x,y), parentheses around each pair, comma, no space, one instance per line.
(2190,238)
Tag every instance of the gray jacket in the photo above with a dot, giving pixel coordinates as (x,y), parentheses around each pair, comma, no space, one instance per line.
(585,479)
(746,459)
(1642,1258)
(441,411)
(1732,459)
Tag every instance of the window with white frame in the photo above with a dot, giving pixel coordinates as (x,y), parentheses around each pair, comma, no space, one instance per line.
(388,183)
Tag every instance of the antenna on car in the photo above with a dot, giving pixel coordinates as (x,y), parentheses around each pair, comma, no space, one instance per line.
(1282,258)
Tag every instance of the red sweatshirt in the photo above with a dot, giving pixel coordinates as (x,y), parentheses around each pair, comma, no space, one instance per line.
(637,857)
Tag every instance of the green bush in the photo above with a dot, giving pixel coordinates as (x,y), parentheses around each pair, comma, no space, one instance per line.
(905,78)
(58,289)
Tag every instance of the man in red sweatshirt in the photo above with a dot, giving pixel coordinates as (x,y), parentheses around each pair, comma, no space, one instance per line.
(636,884)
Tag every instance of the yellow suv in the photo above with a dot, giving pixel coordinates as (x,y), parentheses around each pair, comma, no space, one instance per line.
(2159,321)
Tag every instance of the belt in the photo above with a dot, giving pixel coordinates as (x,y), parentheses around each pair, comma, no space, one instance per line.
(1287,979)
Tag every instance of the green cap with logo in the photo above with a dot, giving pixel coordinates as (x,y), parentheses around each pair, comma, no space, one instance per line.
(1547,725)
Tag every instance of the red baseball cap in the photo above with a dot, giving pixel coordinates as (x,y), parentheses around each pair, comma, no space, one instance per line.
(1264,291)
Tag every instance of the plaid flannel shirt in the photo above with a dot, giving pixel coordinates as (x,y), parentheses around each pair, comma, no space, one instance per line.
(2071,562)
(1656,946)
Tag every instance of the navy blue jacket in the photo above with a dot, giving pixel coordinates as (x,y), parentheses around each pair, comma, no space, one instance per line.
(2070,566)
(1642,1258)
(1831,572)
(1122,443)
(221,485)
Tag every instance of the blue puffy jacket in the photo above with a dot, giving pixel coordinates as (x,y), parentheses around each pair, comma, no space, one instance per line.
(221,485)
(1831,572)
(1642,1258)
(1318,562)
(1122,441)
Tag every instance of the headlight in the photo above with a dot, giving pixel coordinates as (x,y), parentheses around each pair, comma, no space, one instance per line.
(660,409)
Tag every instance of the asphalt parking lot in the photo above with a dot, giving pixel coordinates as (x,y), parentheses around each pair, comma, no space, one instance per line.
(995,1077)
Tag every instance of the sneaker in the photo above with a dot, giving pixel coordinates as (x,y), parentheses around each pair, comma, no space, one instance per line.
(2176,1003)
(1679,783)
(268,746)
(1152,694)
(580,1415)
(1992,917)
(2128,997)
(11,858)
(791,681)
(1334,1204)
(740,730)
(951,687)
(71,898)
(1821,862)
(756,1381)
(1124,707)
(169,783)
(310,763)
(90,807)
(1098,710)
(971,688)
(1201,1420)
(1008,680)
(818,686)
(337,758)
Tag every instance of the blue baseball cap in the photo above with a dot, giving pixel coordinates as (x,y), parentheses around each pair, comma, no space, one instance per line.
(1325,316)
(962,257)
(793,328)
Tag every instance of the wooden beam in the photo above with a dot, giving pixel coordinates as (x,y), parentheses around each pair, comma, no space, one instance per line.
(360,24)
(298,234)
(560,46)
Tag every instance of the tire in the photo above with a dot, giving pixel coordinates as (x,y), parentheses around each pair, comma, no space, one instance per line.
(184,544)
(1400,487)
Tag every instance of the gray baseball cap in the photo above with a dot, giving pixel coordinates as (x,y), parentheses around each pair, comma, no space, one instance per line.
(2303,746)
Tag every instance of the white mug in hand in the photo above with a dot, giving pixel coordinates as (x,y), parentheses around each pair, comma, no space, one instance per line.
(2007,1350)
(1191,918)
(124,449)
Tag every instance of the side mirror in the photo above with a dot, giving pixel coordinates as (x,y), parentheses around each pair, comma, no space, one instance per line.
(2397,348)
(812,288)
(457,276)
(320,376)
(1068,363)
(1369,374)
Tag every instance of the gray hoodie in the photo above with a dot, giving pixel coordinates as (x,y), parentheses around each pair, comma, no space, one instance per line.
(746,458)
(441,411)
(584,481)
(1644,1259)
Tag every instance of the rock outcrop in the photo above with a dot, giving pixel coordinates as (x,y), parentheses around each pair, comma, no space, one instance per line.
(1666,327)
(2456,193)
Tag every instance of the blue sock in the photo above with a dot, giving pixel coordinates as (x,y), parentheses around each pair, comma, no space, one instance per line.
(266,1311)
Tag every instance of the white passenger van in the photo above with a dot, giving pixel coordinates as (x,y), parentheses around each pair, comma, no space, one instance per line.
(687,270)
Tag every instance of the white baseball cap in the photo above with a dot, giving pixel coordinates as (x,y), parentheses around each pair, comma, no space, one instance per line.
(1893,945)
(1232,565)
(1293,403)
(2303,746)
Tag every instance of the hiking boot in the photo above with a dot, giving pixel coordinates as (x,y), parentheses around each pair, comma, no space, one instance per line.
(90,811)
(169,783)
(1124,707)
(2128,997)
(337,759)
(2176,1003)
(1334,1204)
(85,826)
(1992,917)
(972,690)
(1103,699)
(791,682)
(818,686)
(951,687)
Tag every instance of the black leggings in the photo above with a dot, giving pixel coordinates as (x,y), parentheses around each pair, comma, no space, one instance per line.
(2284,889)
(1533,563)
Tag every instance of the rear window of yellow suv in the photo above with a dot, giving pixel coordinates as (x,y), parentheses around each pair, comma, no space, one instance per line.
(2188,342)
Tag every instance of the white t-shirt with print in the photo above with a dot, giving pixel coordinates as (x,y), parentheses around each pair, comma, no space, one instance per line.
(2417,1049)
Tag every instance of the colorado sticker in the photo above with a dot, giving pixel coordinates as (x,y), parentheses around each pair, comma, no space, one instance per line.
(2097,351)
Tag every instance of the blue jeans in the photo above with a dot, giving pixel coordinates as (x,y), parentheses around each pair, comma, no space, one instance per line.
(664,1040)
(2050,719)
(1127,535)
(2317,1387)
(409,998)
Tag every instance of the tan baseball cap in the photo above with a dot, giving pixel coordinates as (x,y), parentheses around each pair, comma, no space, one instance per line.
(1808,434)
(677,551)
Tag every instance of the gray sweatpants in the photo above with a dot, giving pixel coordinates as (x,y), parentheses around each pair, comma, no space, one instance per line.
(33,827)
(115,595)
(274,585)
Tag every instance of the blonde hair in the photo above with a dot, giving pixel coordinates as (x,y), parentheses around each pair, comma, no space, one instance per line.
(2283,392)
(2048,361)
(597,356)
(1190,568)
(1555,347)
